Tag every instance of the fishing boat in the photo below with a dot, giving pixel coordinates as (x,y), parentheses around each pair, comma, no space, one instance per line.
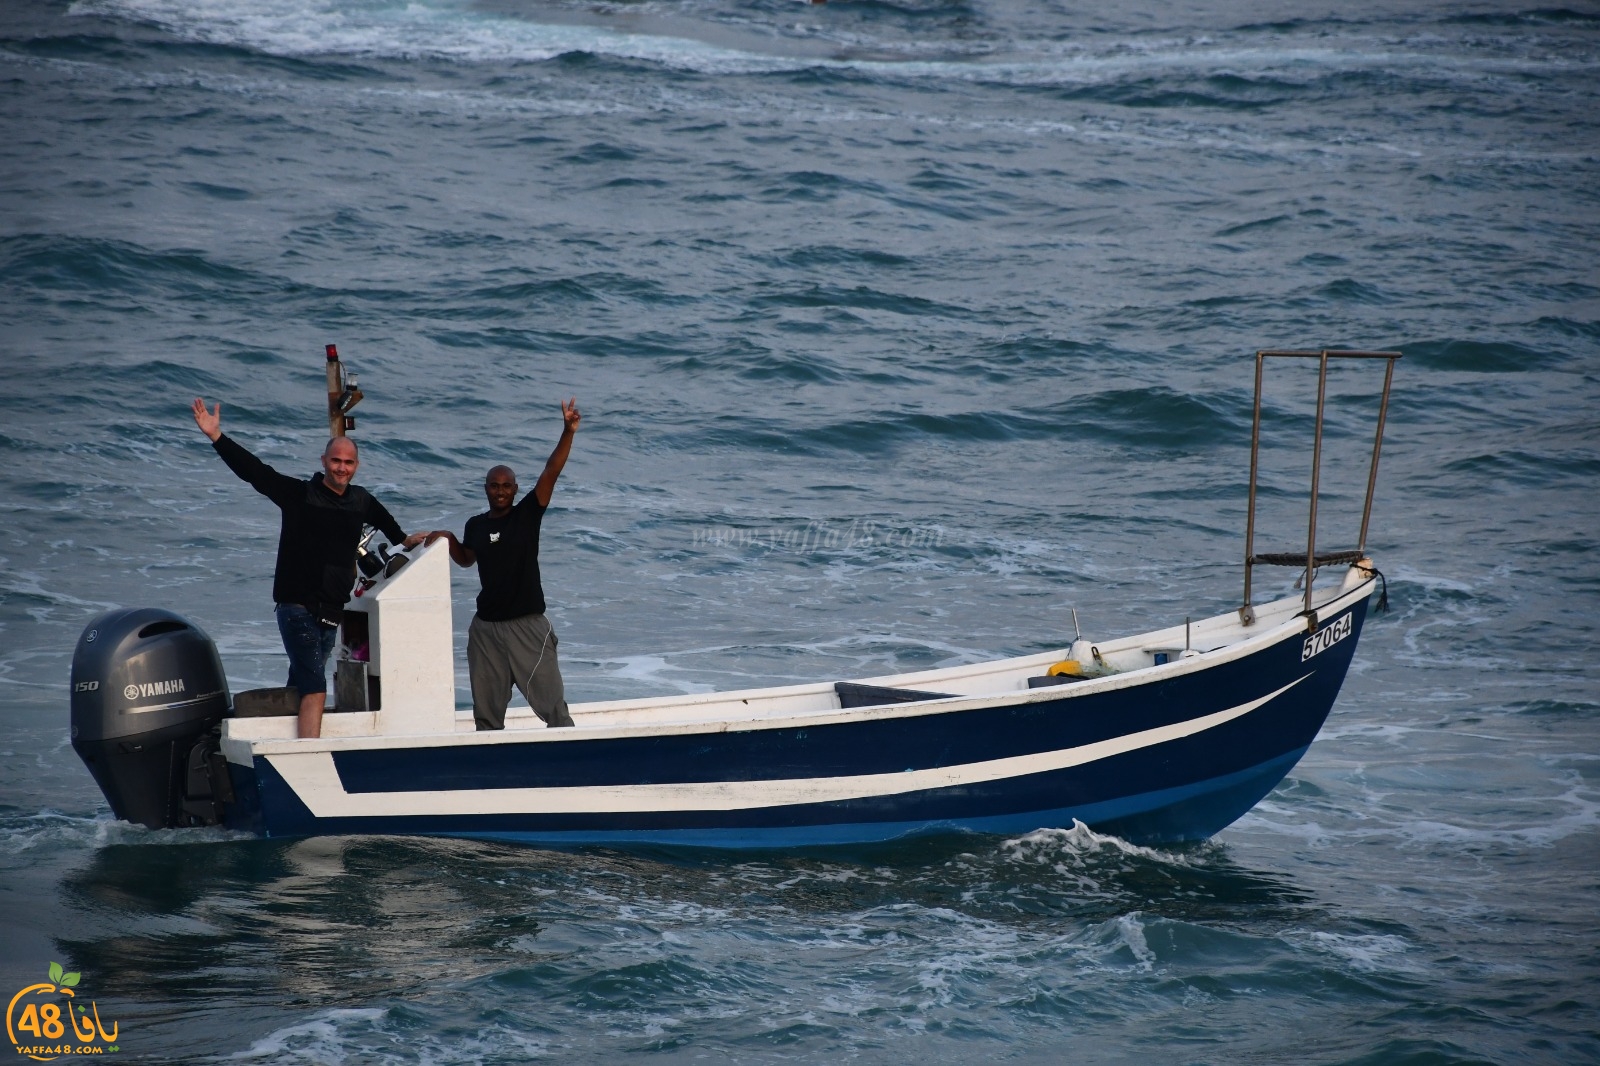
(1169,735)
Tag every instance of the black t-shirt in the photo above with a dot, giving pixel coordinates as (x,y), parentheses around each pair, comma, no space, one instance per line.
(508,560)
(317,542)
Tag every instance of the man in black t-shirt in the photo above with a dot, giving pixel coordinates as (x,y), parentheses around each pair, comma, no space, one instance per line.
(322,520)
(510,640)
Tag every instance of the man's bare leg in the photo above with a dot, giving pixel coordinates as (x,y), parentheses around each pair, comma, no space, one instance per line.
(310,718)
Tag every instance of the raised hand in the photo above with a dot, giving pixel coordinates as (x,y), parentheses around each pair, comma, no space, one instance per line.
(558,458)
(210,422)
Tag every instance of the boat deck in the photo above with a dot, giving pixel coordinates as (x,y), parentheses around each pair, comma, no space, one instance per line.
(1121,661)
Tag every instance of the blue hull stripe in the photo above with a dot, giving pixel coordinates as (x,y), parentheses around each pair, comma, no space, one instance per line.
(315,778)
(1190,812)
(860,748)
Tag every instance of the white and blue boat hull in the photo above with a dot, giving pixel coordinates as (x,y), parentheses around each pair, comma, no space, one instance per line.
(1172,751)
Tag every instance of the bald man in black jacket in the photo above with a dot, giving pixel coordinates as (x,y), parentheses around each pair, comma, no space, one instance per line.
(322,522)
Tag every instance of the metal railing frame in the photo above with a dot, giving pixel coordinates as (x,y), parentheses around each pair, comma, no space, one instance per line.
(1247,612)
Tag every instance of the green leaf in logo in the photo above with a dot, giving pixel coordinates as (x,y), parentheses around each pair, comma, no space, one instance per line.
(55,972)
(71,979)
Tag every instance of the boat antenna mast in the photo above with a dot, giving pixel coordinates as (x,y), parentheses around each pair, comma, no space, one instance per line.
(1310,557)
(343,395)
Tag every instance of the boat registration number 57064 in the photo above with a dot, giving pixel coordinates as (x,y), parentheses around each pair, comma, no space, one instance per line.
(1327,636)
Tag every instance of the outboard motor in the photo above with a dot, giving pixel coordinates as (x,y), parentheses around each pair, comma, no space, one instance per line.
(147,692)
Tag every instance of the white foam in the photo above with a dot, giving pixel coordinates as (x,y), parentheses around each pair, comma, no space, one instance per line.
(1368,953)
(1130,931)
(457,30)
(378,29)
(26,583)
(319,1039)
(1581,818)
(364,1034)
(653,670)
(1079,842)
(49,830)
(1540,821)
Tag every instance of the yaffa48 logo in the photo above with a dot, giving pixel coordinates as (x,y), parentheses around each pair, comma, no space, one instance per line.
(45,1020)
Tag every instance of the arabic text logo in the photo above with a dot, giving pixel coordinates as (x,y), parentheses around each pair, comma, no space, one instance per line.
(39,1016)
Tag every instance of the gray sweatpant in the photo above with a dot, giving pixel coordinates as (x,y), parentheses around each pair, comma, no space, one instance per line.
(521,652)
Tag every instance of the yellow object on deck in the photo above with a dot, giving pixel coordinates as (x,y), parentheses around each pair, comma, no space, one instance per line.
(1066,668)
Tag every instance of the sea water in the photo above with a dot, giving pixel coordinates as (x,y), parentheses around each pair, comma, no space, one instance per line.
(900,329)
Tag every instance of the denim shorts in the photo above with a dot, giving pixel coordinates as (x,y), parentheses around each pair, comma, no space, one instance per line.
(309,643)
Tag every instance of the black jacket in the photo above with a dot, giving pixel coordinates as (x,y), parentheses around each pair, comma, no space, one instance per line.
(317,542)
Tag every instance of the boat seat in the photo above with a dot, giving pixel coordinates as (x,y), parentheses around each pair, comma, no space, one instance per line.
(1046,680)
(854,695)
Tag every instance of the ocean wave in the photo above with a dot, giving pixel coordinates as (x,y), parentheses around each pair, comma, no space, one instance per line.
(1514,469)
(1482,357)
(1153,418)
(1365,952)
(1078,843)
(52,263)
(51,831)
(1246,69)
(378,28)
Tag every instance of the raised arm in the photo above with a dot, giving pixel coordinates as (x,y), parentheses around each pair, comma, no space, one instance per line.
(275,486)
(546,485)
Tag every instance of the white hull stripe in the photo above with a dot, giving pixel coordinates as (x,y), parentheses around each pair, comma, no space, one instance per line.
(315,780)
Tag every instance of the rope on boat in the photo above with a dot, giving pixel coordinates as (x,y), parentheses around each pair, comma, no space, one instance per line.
(1329,559)
(1299,559)
(1383,590)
